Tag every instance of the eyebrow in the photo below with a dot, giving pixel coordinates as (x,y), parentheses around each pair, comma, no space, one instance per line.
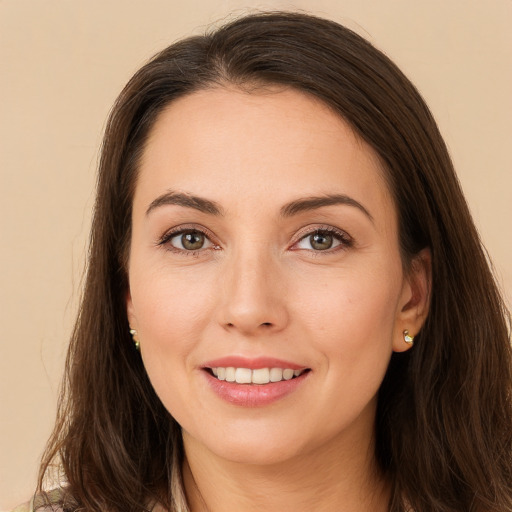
(186,200)
(313,203)
(288,210)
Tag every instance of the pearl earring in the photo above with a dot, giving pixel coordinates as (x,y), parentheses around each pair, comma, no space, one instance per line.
(409,339)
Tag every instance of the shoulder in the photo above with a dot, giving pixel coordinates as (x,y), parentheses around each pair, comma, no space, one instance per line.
(51,500)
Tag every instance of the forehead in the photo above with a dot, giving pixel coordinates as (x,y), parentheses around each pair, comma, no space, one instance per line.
(230,145)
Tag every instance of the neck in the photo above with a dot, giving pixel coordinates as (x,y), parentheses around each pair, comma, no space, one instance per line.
(328,478)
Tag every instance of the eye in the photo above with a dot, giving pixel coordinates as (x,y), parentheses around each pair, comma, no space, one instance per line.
(323,240)
(187,240)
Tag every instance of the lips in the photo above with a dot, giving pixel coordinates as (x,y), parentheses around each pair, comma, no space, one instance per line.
(252,363)
(254,382)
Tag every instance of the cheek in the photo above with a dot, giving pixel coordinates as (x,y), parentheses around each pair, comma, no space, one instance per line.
(349,321)
(169,303)
(171,313)
(172,310)
(351,317)
(356,300)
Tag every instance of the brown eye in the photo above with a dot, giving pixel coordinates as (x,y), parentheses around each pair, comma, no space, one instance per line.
(190,241)
(321,241)
(324,240)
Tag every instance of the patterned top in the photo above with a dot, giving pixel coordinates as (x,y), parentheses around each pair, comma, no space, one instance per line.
(53,498)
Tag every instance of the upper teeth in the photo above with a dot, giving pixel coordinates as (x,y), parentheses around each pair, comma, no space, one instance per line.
(259,376)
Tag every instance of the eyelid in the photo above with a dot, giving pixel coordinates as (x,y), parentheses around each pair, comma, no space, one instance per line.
(186,228)
(342,236)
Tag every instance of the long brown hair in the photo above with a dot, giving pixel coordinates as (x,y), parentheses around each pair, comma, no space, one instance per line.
(444,418)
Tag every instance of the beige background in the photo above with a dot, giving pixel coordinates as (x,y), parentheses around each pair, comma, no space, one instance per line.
(62,65)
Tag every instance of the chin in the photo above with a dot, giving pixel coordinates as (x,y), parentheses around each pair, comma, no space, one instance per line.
(260,454)
(250,446)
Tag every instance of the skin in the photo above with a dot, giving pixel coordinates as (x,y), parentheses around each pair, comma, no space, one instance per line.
(259,287)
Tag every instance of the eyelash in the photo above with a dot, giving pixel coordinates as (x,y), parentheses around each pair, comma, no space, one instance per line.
(345,240)
(182,230)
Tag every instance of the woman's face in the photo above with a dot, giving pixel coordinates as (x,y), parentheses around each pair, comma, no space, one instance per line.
(265,246)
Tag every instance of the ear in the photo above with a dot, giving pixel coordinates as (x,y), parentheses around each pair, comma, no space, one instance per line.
(132,321)
(414,301)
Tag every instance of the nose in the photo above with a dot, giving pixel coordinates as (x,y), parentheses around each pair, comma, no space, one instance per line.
(254,295)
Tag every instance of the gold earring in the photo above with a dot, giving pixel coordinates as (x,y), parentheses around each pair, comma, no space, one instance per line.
(408,338)
(135,337)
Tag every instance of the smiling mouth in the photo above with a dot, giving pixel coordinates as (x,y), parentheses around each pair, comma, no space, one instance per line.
(258,376)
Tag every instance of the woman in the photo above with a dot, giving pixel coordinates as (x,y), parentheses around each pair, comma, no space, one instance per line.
(287,306)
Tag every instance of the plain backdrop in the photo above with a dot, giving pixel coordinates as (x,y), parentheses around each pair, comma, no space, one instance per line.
(62,63)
